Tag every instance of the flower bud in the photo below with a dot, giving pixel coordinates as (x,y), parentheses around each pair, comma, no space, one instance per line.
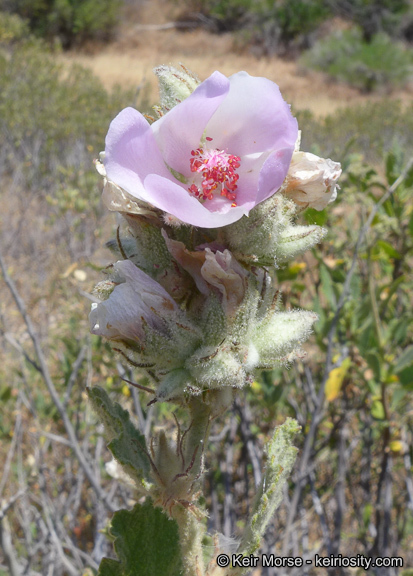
(222,271)
(296,240)
(175,84)
(217,367)
(135,302)
(212,270)
(253,239)
(268,237)
(311,181)
(280,335)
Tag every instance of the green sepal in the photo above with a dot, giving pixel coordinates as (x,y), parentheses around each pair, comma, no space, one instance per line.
(125,442)
(169,351)
(213,321)
(174,385)
(148,250)
(146,543)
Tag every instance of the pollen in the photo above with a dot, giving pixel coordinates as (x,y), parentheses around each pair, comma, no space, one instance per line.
(217,172)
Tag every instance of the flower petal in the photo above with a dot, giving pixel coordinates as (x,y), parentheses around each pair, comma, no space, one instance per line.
(176,200)
(191,262)
(132,153)
(249,173)
(273,173)
(252,118)
(223,271)
(181,129)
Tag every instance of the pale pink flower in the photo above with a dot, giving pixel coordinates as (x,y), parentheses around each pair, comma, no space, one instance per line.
(211,158)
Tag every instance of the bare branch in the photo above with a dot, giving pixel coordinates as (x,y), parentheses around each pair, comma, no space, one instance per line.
(75,371)
(52,390)
(10,453)
(8,550)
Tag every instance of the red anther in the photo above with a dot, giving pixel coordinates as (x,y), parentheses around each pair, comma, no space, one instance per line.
(217,169)
(208,138)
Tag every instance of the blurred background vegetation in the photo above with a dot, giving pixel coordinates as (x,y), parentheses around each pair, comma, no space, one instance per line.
(352,491)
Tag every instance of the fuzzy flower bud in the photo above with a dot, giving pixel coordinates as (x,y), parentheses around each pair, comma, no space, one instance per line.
(296,240)
(175,84)
(143,321)
(268,237)
(281,335)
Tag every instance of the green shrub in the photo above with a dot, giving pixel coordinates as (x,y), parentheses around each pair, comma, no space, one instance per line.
(224,15)
(46,110)
(346,57)
(53,121)
(373,16)
(284,25)
(72,21)
(290,23)
(371,129)
(12,28)
(273,26)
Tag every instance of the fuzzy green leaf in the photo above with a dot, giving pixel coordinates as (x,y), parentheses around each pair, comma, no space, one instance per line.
(109,567)
(146,543)
(125,442)
(281,458)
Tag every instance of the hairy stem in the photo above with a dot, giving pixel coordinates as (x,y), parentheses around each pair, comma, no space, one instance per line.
(191,531)
(186,513)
